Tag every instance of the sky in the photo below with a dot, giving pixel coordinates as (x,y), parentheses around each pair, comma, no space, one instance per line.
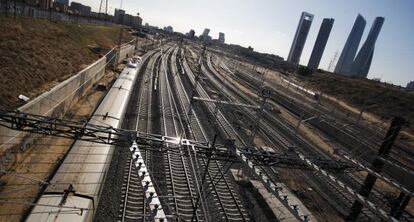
(269,26)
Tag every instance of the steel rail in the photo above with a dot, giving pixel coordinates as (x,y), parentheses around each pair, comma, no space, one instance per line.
(136,165)
(198,133)
(171,127)
(371,206)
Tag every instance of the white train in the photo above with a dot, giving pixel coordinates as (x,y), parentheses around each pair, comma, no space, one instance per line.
(75,189)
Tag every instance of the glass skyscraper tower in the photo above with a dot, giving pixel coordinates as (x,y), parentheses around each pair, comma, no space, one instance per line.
(320,43)
(344,64)
(298,43)
(362,62)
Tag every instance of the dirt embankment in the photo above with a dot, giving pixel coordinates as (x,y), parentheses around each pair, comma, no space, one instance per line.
(383,101)
(36,54)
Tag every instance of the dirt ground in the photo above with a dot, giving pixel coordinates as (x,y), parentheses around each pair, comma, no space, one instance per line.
(36,54)
(22,185)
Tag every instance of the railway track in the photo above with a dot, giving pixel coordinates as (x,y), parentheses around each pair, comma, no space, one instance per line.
(190,190)
(133,206)
(366,141)
(339,121)
(236,95)
(228,131)
(356,182)
(181,179)
(216,180)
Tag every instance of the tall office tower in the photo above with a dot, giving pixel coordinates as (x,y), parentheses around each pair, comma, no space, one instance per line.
(191,33)
(320,43)
(65,2)
(362,62)
(204,36)
(221,37)
(301,34)
(205,32)
(344,64)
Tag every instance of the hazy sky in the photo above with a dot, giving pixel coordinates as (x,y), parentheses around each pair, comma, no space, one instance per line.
(270,25)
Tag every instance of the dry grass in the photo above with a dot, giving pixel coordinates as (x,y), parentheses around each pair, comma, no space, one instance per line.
(35,54)
(383,101)
(47,150)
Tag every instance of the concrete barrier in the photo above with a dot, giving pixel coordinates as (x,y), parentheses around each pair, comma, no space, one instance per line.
(127,50)
(53,103)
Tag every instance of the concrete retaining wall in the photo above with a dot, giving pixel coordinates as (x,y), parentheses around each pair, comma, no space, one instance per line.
(53,103)
(127,50)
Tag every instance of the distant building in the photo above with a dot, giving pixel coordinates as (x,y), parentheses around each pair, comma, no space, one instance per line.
(60,7)
(204,36)
(133,21)
(64,2)
(45,4)
(169,29)
(344,64)
(150,26)
(410,85)
(221,37)
(205,32)
(119,16)
(301,34)
(191,33)
(79,9)
(139,21)
(320,43)
(362,62)
(32,2)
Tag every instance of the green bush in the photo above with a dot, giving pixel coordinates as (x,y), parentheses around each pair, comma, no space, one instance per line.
(304,71)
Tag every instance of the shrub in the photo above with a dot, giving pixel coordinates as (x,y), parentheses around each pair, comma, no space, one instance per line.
(304,71)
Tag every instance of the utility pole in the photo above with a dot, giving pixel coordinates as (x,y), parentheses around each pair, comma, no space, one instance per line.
(193,217)
(365,103)
(119,45)
(50,12)
(15,8)
(362,110)
(100,8)
(106,10)
(399,205)
(377,166)
(333,60)
(265,94)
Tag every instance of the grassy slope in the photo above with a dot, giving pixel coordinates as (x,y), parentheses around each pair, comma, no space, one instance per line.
(382,101)
(35,54)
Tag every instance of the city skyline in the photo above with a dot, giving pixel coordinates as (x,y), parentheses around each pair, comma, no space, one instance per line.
(269,26)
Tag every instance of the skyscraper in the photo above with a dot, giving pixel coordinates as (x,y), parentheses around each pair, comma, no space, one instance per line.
(204,36)
(344,64)
(301,34)
(191,33)
(362,62)
(221,37)
(320,43)
(65,2)
(119,16)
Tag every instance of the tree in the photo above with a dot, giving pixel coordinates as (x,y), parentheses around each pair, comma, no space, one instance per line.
(304,71)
